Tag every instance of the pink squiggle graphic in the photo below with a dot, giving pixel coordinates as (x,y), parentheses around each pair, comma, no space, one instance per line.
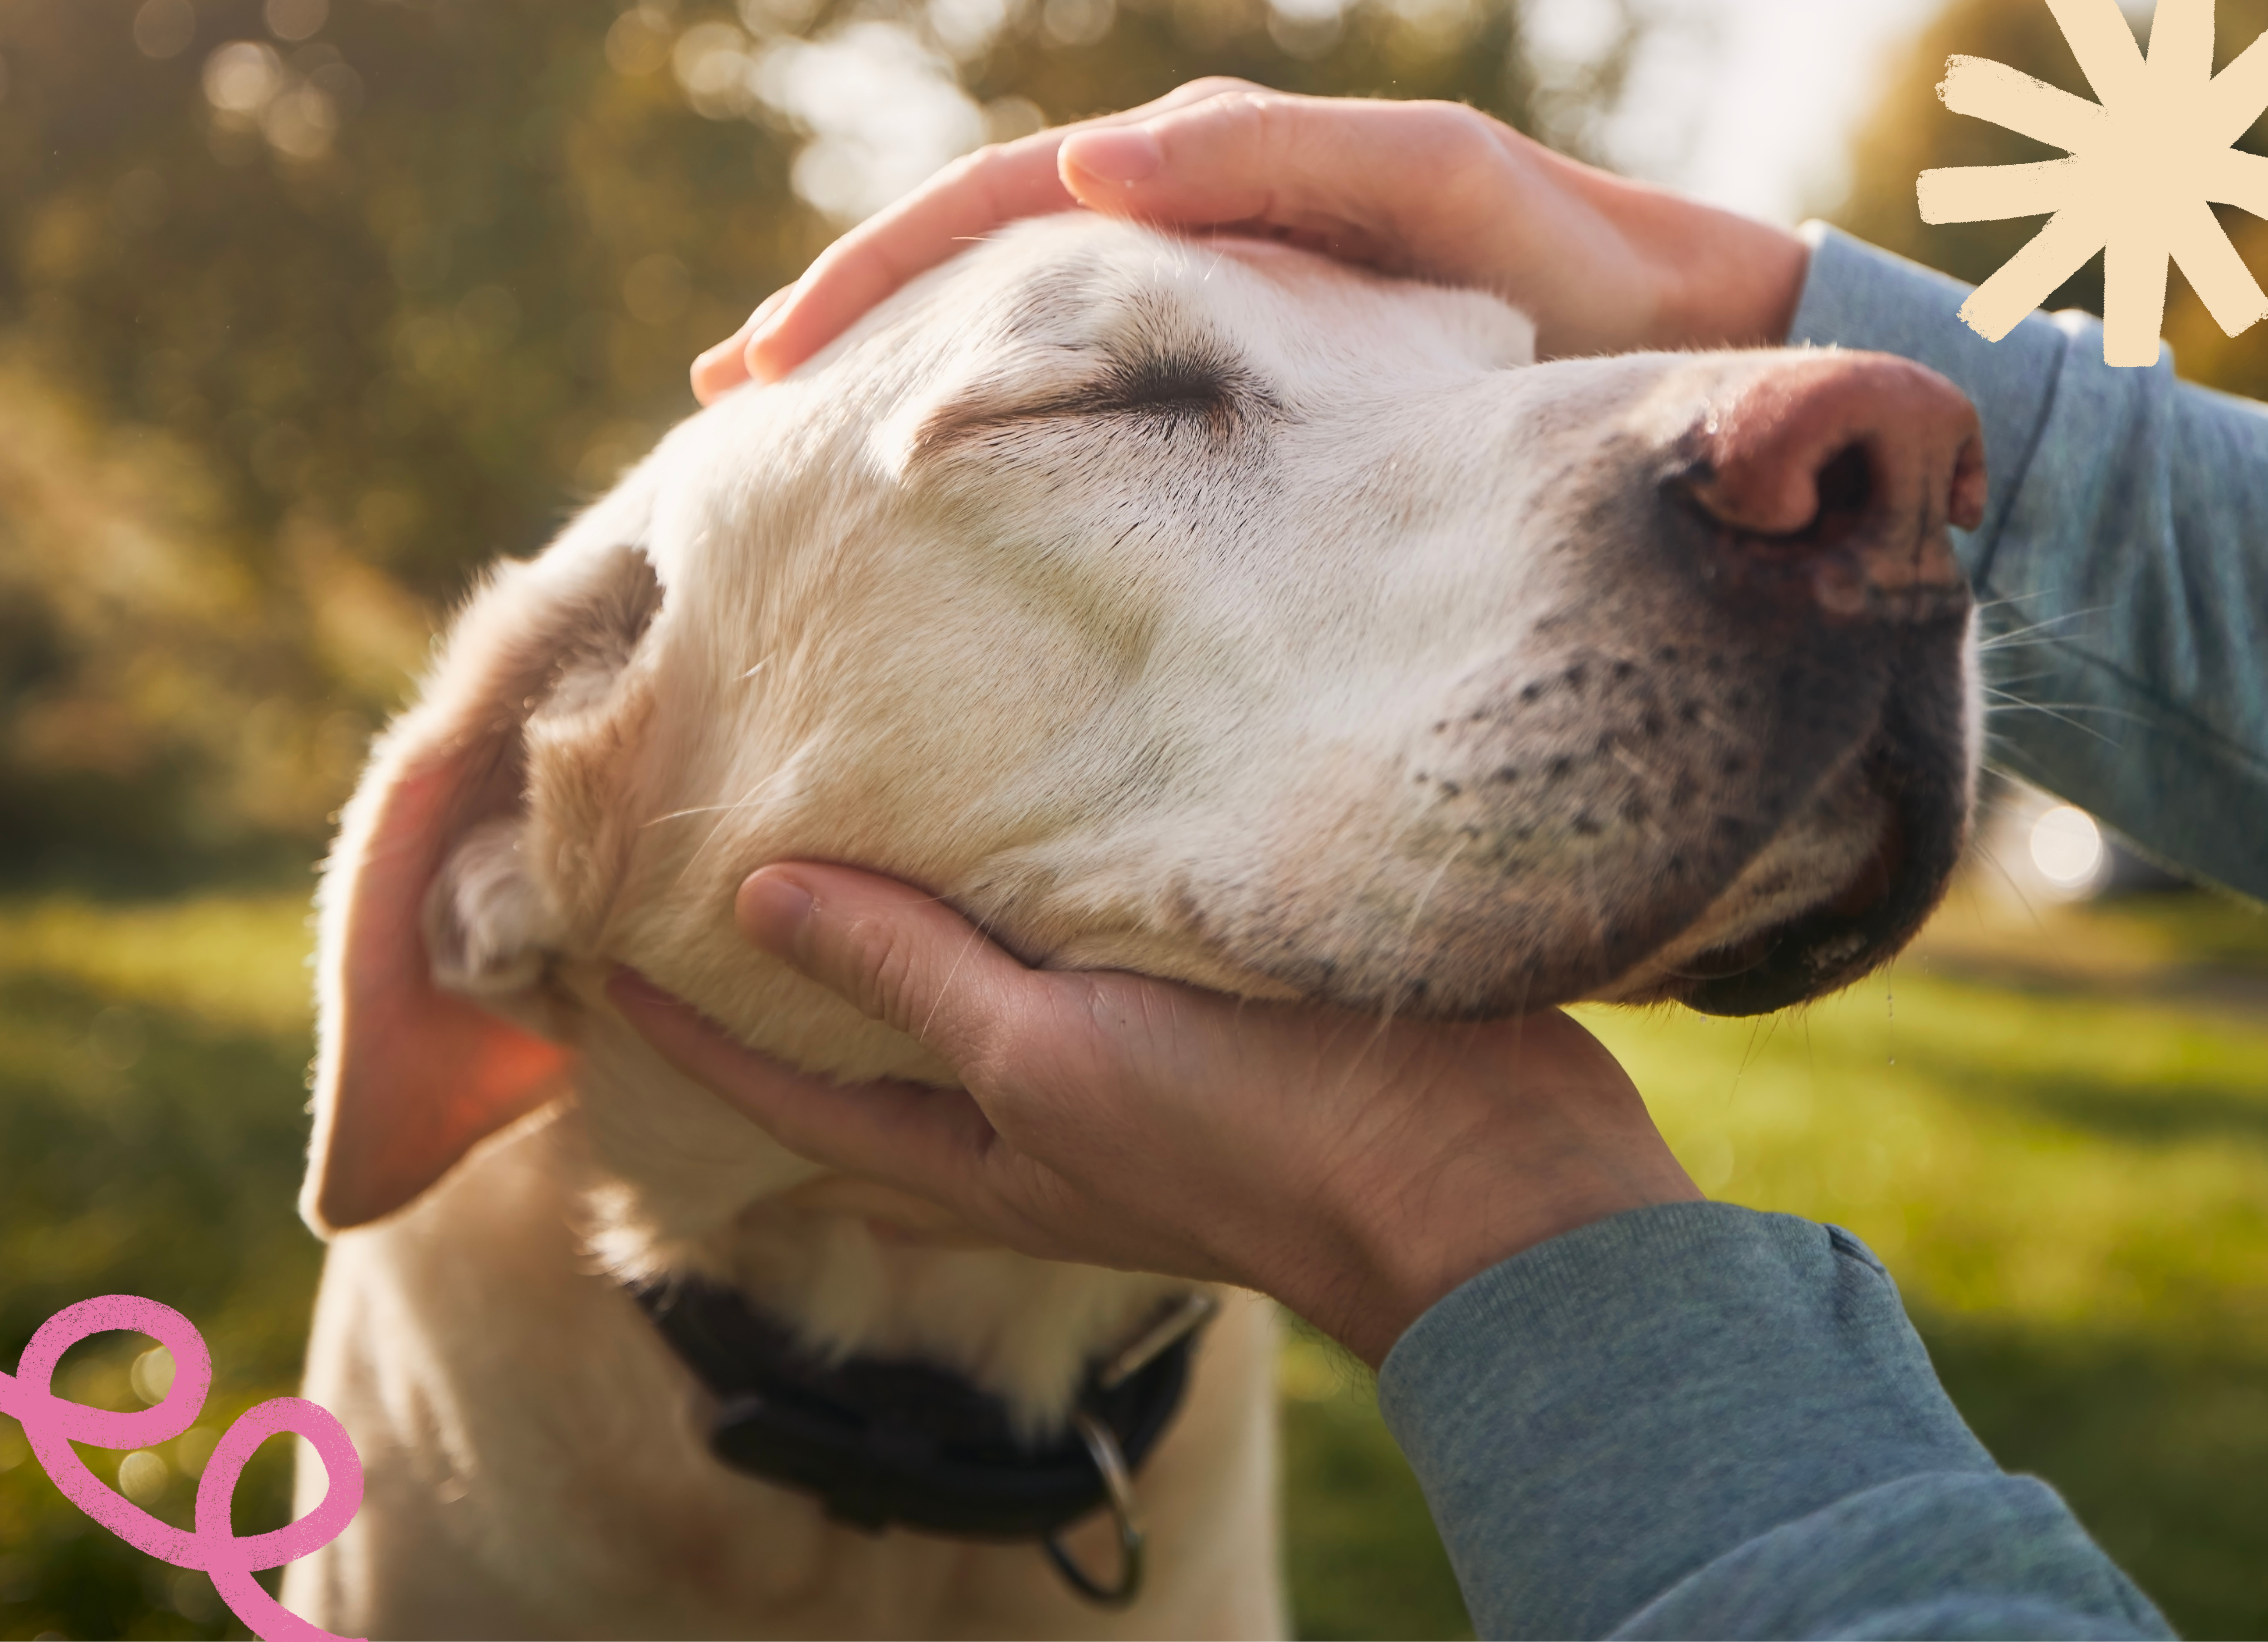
(52,1424)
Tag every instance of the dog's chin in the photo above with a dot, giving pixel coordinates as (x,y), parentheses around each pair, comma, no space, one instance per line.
(1861,924)
(1818,951)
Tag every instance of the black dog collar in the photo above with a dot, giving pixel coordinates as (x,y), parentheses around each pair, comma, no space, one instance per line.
(886,1443)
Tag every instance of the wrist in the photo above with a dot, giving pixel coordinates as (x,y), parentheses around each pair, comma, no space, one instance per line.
(1405,1243)
(1728,280)
(1716,279)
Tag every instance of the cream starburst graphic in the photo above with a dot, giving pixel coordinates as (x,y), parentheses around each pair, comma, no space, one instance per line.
(2144,166)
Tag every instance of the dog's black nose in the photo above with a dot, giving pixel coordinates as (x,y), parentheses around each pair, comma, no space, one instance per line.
(1841,473)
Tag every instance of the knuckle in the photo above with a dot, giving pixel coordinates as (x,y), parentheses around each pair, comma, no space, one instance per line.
(881,970)
(1465,147)
(1217,86)
(1466,133)
(1015,1054)
(997,1053)
(979,165)
(1272,124)
(1256,105)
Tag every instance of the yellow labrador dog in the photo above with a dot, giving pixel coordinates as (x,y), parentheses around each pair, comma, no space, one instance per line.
(1212,612)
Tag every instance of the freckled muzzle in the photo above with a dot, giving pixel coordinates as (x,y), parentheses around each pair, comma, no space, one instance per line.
(1740,705)
(1591,815)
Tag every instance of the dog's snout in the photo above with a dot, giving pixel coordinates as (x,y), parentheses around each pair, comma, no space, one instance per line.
(1842,472)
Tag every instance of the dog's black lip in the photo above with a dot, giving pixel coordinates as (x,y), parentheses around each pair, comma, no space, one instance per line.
(1725,962)
(1822,951)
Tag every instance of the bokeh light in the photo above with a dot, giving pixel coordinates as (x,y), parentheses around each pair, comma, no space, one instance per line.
(152,1376)
(2067,848)
(143,1476)
(164,28)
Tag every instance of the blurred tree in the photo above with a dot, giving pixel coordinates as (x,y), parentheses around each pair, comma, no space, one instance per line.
(1911,132)
(325,304)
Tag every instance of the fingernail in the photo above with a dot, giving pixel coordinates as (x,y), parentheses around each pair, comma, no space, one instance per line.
(771,910)
(734,349)
(761,323)
(707,386)
(769,308)
(1124,154)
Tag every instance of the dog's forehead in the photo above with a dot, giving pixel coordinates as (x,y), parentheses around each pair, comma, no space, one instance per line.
(1080,280)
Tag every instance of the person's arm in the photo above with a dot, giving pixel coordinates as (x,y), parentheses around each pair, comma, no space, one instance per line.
(1696,1420)
(1633,1411)
(2124,549)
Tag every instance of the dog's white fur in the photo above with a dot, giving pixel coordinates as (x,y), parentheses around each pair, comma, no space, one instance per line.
(1165,608)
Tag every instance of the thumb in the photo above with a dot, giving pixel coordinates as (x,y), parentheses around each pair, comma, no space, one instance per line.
(903,957)
(1338,173)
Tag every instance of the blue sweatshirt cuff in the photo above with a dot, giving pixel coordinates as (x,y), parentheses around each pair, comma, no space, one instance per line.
(1639,1427)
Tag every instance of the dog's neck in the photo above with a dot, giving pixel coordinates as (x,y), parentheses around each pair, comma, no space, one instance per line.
(675,1183)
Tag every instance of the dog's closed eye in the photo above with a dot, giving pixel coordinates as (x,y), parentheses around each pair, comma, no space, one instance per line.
(1175,385)
(1169,388)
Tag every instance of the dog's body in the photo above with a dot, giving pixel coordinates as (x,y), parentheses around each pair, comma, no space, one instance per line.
(537,1466)
(1220,614)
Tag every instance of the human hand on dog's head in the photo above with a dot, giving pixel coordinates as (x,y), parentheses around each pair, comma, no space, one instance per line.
(1436,191)
(1356,1169)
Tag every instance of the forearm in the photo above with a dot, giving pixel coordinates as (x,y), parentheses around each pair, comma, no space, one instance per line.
(2124,551)
(1697,1420)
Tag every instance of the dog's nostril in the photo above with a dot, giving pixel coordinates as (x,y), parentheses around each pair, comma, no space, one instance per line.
(1847,485)
(1837,477)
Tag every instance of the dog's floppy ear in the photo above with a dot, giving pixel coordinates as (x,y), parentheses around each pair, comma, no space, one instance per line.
(496,785)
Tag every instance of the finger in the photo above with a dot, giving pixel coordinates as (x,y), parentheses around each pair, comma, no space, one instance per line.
(726,366)
(901,956)
(968,199)
(929,1142)
(1338,172)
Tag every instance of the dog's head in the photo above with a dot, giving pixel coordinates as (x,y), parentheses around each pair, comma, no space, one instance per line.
(1214,612)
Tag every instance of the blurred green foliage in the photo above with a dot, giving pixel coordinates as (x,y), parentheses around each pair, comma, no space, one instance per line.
(309,310)
(2066,1165)
(152,1062)
(1911,132)
(1361,1555)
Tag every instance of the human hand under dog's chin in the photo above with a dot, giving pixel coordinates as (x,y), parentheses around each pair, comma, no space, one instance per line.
(1356,1171)
(1433,190)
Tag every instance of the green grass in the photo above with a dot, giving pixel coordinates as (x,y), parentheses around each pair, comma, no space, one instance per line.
(152,1083)
(2056,1133)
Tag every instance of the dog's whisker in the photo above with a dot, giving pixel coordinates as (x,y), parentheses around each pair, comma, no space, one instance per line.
(1990,857)
(2061,711)
(976,933)
(1417,907)
(755,795)
(698,810)
(2012,700)
(2001,641)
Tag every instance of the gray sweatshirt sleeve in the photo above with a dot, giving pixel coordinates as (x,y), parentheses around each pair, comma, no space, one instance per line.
(1696,1420)
(2126,536)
